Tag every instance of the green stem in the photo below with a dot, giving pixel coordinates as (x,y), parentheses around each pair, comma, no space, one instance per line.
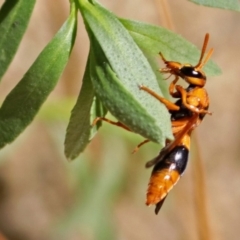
(73,8)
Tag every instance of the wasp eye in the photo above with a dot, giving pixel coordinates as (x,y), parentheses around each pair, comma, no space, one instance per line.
(190,72)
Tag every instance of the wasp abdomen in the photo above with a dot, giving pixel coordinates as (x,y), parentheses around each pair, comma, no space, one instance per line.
(166,174)
(160,184)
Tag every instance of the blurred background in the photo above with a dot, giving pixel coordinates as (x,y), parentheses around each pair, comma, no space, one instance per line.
(101,195)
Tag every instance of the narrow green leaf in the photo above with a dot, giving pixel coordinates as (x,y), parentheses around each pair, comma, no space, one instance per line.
(154,39)
(128,68)
(14,18)
(138,117)
(87,108)
(164,85)
(229,4)
(24,101)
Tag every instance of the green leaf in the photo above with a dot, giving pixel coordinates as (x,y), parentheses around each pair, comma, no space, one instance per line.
(154,39)
(14,18)
(164,85)
(87,108)
(101,72)
(229,4)
(24,101)
(124,68)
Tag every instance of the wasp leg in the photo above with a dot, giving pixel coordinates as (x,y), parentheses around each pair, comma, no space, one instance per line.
(162,71)
(192,108)
(139,145)
(178,138)
(179,125)
(169,105)
(119,124)
(172,89)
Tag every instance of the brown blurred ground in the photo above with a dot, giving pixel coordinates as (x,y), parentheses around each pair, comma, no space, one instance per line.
(36,186)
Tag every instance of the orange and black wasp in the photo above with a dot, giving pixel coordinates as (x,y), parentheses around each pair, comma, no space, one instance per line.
(186,114)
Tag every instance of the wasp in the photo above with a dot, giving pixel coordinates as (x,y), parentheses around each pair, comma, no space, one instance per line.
(186,114)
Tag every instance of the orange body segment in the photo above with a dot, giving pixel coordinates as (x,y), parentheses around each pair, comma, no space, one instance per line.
(161,182)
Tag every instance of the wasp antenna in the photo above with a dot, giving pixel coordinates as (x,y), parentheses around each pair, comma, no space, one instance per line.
(200,64)
(206,59)
(163,58)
